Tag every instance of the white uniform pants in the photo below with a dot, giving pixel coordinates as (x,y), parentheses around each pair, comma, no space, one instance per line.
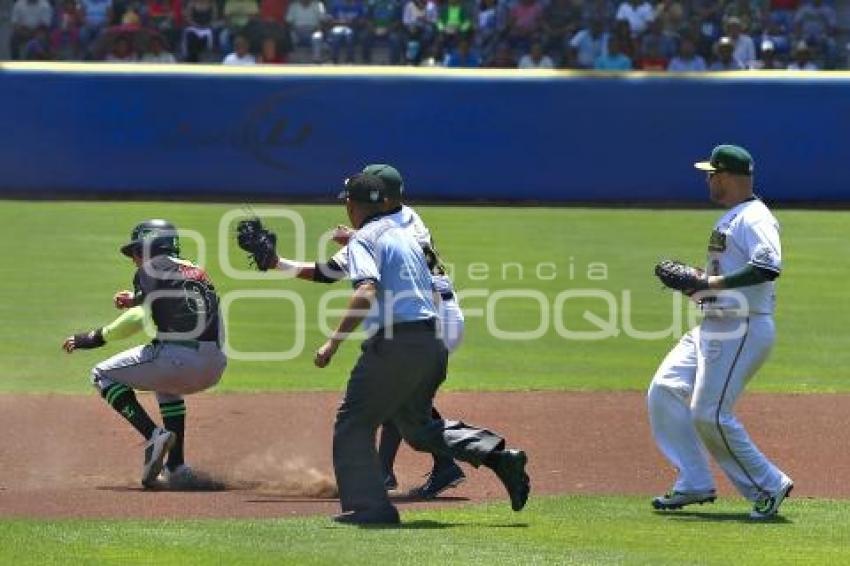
(171,370)
(691,401)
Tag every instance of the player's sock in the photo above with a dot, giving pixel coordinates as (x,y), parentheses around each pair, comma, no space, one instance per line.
(441,462)
(123,400)
(174,419)
(388,446)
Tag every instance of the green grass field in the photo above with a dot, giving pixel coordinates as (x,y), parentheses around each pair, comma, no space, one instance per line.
(61,267)
(556,530)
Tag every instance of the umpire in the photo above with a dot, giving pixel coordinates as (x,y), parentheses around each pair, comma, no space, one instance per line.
(400,368)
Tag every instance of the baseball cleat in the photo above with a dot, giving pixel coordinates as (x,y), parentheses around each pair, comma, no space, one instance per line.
(510,469)
(439,481)
(181,477)
(390,483)
(156,448)
(678,499)
(768,506)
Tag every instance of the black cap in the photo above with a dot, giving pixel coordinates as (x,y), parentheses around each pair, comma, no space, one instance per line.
(364,187)
(160,236)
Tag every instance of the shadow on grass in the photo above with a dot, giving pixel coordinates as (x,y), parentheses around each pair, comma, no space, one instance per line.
(720,517)
(428,524)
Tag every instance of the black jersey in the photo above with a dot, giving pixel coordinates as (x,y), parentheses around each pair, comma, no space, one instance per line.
(181,298)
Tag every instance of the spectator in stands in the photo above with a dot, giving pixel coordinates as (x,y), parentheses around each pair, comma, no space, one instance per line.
(655,41)
(305,19)
(783,11)
(651,59)
(241,54)
(270,53)
(273,11)
(746,11)
(525,23)
(536,58)
(165,16)
(614,59)
(744,49)
(687,60)
(815,21)
(156,51)
(802,58)
(419,25)
(65,41)
(625,39)
(28,17)
(198,36)
(434,57)
(768,60)
(638,13)
(238,15)
(96,16)
(463,56)
(38,46)
(587,45)
(454,22)
(560,21)
(726,60)
(383,24)
(503,57)
(671,15)
(774,32)
(488,27)
(122,50)
(346,27)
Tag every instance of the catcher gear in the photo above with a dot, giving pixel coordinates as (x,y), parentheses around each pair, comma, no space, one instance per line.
(160,235)
(259,242)
(681,277)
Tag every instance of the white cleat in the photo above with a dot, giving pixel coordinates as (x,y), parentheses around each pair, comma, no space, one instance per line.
(156,448)
(768,506)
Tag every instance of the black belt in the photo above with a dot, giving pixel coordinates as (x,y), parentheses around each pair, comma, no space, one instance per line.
(413,326)
(193,344)
(447,296)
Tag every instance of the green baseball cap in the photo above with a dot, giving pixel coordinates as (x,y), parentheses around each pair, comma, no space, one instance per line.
(390,176)
(364,187)
(729,158)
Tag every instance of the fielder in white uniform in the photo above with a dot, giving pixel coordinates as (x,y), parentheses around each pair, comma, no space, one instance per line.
(692,396)
(445,472)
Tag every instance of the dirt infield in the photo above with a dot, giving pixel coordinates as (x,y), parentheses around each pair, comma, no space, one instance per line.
(70,456)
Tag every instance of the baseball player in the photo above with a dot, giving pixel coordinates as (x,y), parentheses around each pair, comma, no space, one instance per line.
(445,473)
(692,396)
(185,357)
(401,366)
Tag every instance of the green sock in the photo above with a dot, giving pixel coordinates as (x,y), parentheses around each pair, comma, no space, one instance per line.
(174,419)
(123,400)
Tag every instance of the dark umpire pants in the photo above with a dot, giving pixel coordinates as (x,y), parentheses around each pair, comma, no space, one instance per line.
(395,379)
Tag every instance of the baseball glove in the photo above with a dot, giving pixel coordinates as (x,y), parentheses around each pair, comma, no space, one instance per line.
(681,276)
(259,242)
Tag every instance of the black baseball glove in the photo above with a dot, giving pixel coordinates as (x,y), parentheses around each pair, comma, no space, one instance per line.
(681,276)
(259,242)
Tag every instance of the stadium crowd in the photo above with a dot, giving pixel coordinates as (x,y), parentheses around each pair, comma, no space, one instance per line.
(688,35)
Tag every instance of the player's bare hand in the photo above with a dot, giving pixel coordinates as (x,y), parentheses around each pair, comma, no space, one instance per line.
(342,234)
(123,299)
(325,353)
(68,345)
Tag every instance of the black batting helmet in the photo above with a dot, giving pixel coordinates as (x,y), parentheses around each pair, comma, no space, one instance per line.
(160,235)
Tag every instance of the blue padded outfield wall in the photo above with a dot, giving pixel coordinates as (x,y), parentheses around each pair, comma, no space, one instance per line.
(466,135)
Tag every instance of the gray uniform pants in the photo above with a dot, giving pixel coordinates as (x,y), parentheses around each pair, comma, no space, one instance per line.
(395,380)
(170,369)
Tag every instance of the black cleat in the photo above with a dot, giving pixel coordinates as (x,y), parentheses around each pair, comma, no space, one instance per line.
(439,481)
(511,470)
(380,516)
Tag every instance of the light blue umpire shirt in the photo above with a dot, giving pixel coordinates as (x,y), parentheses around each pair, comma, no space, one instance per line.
(386,254)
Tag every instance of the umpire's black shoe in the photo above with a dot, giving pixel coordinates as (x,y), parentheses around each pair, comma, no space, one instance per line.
(439,480)
(510,468)
(390,483)
(379,516)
